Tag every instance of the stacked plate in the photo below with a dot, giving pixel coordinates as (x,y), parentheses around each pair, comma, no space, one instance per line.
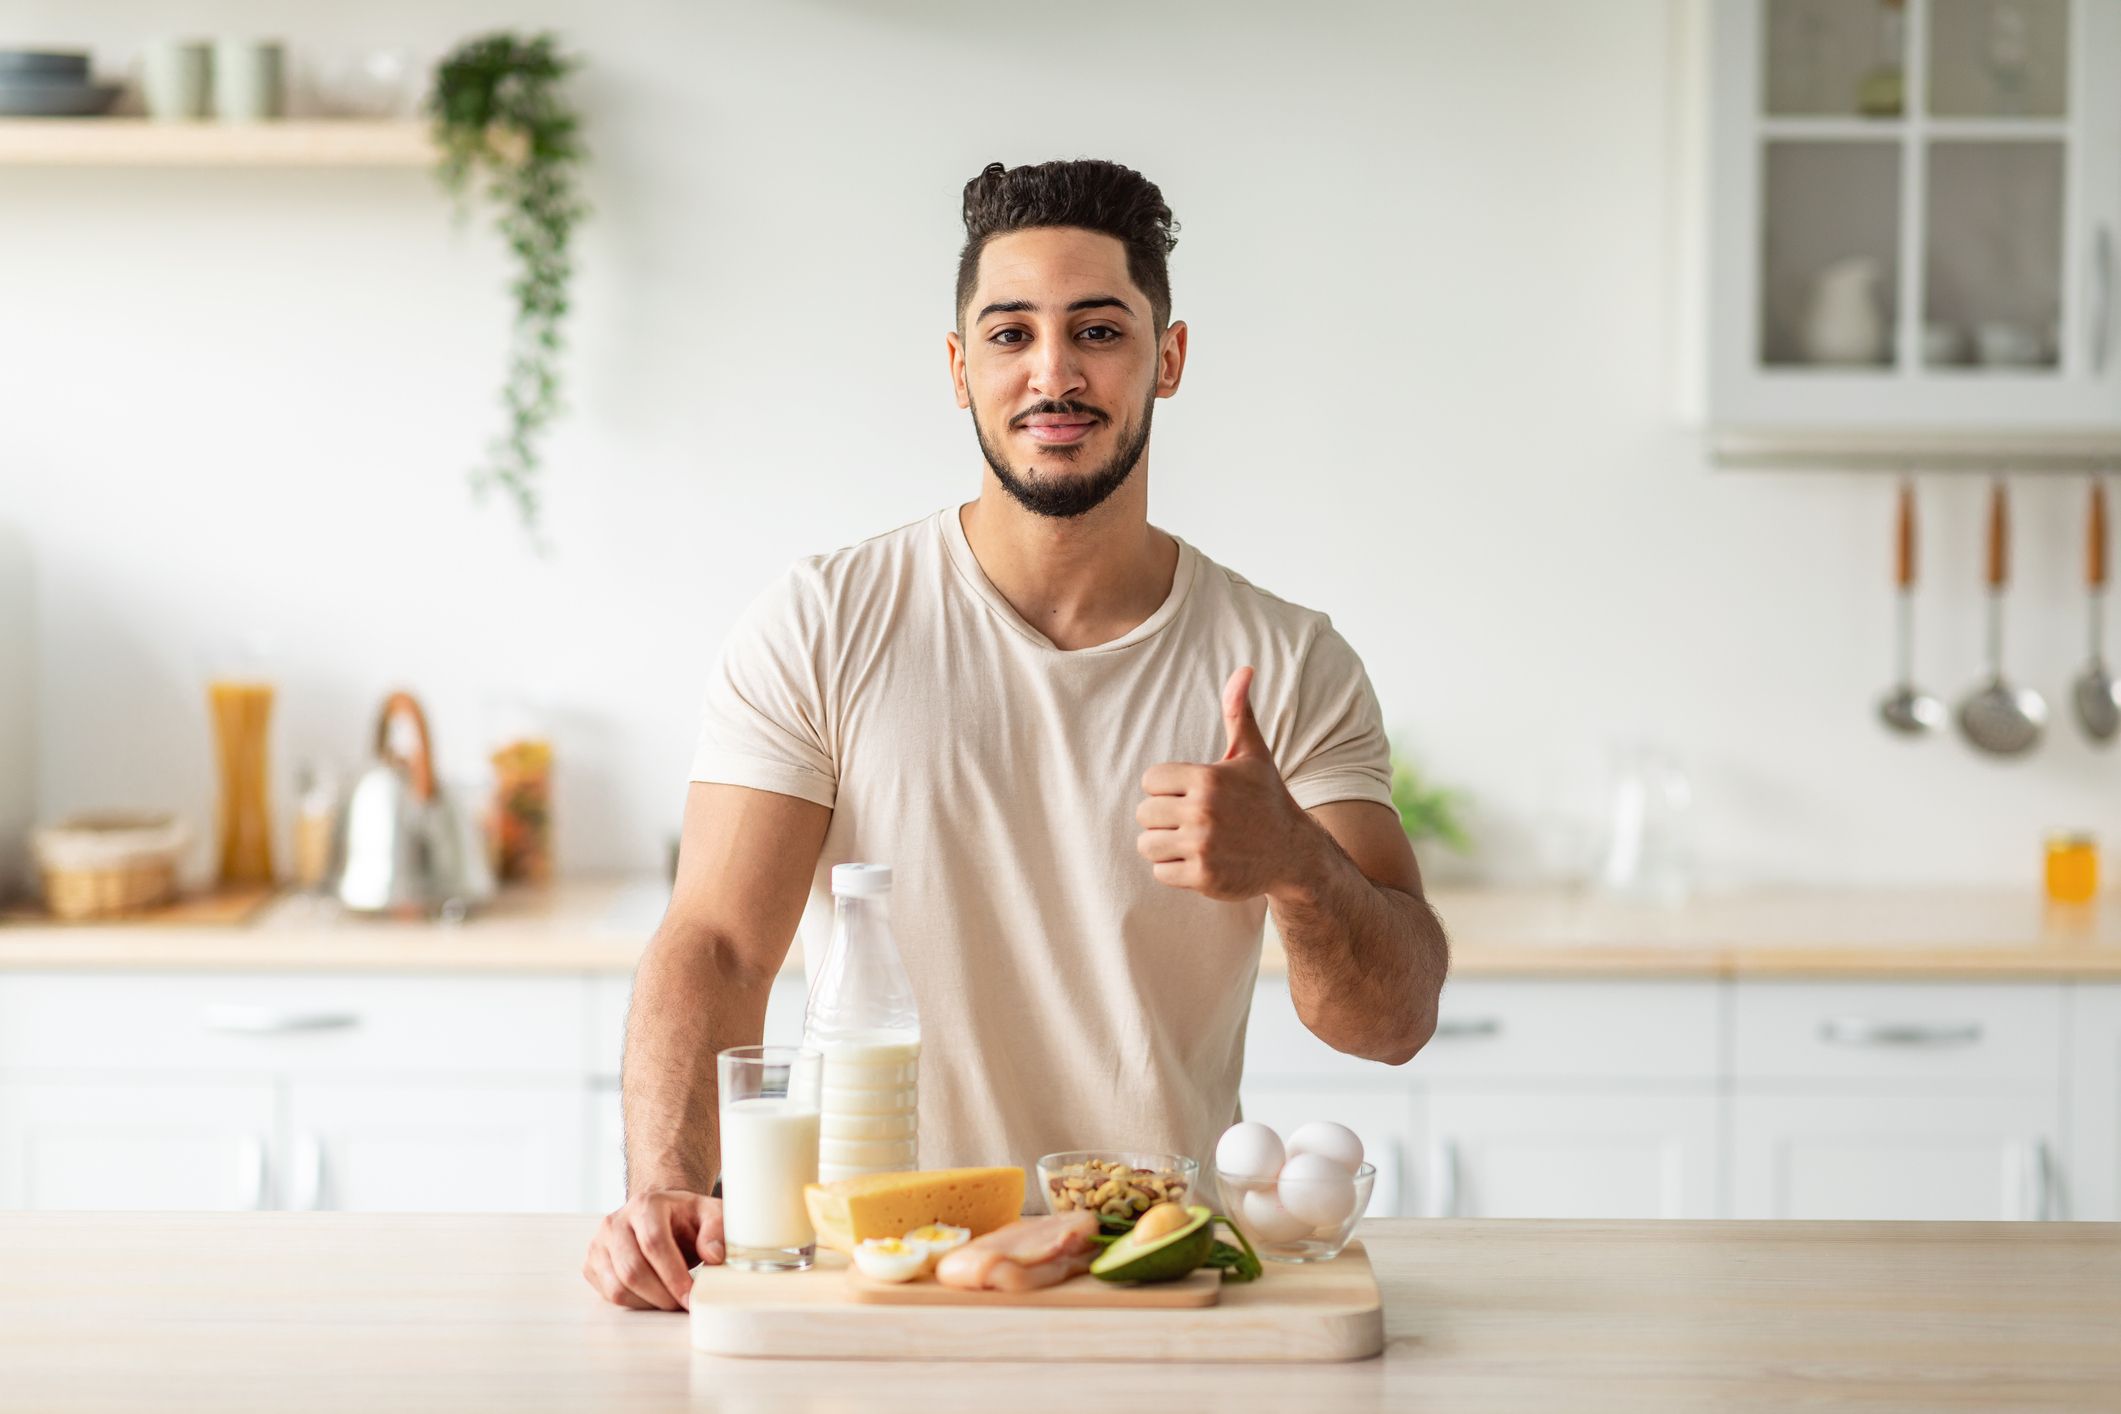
(40,84)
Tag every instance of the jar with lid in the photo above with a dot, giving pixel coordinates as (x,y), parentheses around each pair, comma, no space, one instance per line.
(2072,867)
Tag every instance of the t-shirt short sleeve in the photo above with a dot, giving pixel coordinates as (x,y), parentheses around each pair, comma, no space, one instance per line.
(1338,749)
(765,723)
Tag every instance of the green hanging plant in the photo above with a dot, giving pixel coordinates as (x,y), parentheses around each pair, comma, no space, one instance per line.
(1427,812)
(498,109)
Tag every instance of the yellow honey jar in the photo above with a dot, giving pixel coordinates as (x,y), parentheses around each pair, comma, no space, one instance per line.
(2072,867)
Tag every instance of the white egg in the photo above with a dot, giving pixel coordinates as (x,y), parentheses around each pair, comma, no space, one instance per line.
(1266,1220)
(1330,1141)
(1249,1150)
(1317,1190)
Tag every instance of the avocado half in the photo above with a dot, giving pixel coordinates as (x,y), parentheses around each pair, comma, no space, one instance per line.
(1165,1258)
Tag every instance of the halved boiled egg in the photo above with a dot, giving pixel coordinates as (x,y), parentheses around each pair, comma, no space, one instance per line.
(890,1258)
(935,1239)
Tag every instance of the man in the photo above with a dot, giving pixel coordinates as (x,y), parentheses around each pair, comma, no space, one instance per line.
(1010,702)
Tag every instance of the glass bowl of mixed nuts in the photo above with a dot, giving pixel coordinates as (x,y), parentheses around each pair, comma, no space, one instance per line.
(1115,1183)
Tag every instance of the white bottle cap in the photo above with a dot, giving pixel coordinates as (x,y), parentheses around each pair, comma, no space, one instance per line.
(861,880)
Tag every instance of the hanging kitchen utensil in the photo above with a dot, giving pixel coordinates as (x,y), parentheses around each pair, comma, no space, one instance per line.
(2097,695)
(1996,717)
(1907,709)
(403,846)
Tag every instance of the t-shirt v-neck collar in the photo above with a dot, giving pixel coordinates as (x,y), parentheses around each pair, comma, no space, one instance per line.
(952,529)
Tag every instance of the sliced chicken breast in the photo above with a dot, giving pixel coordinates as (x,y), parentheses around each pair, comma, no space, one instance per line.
(1025,1255)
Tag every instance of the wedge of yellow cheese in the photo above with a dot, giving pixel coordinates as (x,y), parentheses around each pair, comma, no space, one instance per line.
(893,1204)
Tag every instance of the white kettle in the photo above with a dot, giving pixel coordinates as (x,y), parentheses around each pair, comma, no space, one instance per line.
(403,846)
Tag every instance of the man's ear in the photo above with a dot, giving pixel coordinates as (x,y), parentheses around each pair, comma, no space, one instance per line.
(1171,358)
(955,344)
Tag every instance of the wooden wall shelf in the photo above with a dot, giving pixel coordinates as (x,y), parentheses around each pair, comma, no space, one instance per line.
(136,142)
(1991,451)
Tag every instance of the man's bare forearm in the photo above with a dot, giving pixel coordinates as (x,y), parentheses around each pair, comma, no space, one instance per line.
(693,997)
(1366,962)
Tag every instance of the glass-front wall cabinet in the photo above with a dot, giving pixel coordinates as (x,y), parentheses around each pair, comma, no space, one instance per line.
(1915,213)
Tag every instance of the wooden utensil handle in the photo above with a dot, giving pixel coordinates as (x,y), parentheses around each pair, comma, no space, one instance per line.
(1904,540)
(2095,550)
(1998,537)
(422,761)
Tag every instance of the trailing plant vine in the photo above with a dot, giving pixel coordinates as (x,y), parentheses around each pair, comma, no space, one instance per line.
(499,109)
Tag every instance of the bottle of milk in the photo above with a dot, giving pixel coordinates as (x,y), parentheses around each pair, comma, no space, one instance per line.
(862,1020)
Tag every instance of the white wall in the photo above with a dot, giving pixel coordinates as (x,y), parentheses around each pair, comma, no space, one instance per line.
(1425,260)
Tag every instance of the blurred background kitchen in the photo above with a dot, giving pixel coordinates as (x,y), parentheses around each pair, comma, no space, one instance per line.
(1692,412)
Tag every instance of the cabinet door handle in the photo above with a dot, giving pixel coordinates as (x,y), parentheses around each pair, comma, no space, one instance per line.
(1443,1179)
(234,1020)
(250,1173)
(2102,296)
(1856,1031)
(1468,1028)
(306,1185)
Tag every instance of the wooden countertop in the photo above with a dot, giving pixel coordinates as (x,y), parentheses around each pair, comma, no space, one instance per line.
(1851,933)
(337,1311)
(600,925)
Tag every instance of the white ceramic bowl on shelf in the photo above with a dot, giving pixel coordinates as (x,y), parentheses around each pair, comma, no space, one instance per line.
(1254,1205)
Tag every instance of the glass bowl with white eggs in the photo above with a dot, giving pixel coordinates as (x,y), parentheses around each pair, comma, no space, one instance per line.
(1297,1201)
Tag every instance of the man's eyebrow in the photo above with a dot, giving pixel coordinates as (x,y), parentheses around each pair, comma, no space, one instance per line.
(1024,306)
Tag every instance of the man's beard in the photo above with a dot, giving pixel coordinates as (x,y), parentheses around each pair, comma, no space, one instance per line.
(1065,498)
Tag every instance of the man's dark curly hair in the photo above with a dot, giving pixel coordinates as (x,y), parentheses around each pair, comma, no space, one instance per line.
(1092,195)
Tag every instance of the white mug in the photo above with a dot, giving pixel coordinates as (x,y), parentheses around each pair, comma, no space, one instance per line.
(173,79)
(250,81)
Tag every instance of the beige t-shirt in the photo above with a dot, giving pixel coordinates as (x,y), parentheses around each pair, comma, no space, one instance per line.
(1068,1000)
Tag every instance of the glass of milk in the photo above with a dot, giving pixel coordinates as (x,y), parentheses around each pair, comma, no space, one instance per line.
(769,1129)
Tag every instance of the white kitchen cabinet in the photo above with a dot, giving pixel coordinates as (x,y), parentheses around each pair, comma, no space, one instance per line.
(434,1145)
(1569,1154)
(2095,1103)
(1896,1155)
(308,1022)
(1897,1100)
(138,1141)
(1967,1035)
(1384,1118)
(1539,1096)
(1914,214)
(1538,1029)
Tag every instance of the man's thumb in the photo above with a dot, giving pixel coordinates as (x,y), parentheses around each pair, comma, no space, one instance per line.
(1239,725)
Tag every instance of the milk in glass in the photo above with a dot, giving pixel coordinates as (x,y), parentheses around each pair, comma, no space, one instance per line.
(769,1147)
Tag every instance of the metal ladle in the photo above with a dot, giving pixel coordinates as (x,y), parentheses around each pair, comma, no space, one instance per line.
(2098,696)
(1996,717)
(1907,709)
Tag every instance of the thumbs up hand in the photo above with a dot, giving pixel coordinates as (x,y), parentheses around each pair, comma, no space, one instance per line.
(1229,830)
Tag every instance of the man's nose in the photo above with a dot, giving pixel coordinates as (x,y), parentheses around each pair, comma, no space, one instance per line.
(1056,371)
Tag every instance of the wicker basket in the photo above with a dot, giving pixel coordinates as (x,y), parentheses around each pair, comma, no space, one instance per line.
(104,866)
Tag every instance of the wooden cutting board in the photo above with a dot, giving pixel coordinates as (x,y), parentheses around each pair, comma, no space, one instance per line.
(1078,1293)
(1316,1312)
(215,908)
